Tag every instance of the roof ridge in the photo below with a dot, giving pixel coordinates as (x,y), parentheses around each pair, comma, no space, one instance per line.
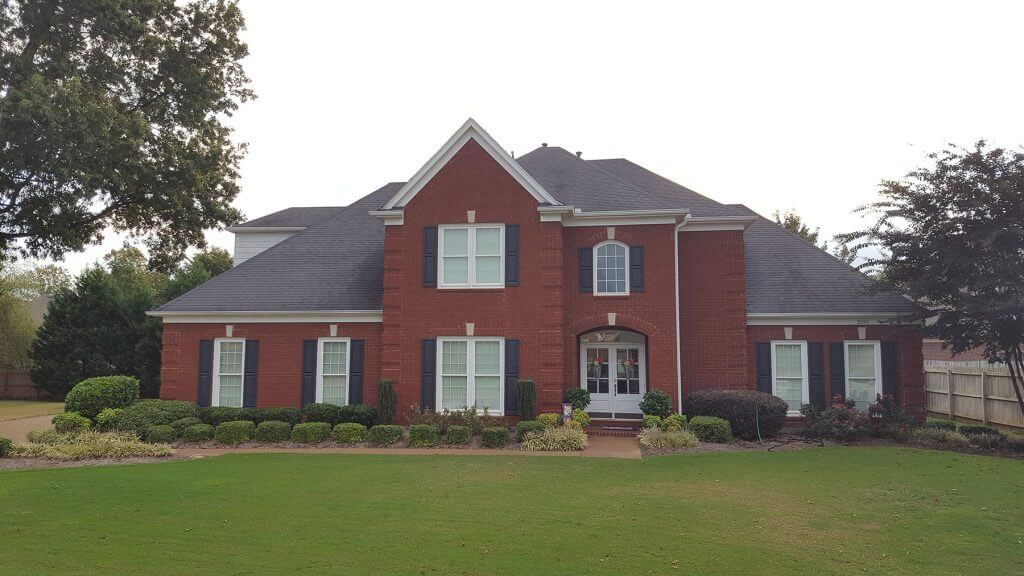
(660,177)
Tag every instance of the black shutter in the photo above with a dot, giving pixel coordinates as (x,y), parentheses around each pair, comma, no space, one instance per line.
(252,362)
(764,367)
(428,382)
(355,372)
(430,256)
(511,377)
(816,373)
(205,386)
(512,255)
(890,370)
(586,269)
(636,268)
(836,370)
(308,390)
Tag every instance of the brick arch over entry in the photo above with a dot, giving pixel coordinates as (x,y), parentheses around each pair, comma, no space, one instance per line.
(597,322)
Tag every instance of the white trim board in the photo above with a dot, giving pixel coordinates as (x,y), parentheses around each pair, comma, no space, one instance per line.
(471,130)
(716,223)
(266,317)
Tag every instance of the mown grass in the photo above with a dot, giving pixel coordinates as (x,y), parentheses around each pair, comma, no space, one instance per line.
(13,409)
(837,510)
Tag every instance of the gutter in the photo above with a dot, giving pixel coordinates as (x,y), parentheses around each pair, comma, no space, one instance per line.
(679,344)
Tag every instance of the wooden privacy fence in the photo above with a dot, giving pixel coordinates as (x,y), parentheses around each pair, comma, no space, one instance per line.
(984,394)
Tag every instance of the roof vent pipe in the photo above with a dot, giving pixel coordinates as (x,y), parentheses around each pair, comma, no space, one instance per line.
(579,154)
(544,144)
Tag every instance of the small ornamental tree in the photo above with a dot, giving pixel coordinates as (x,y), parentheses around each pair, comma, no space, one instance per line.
(951,237)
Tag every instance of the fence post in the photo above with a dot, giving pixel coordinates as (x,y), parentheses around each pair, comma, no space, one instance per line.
(949,391)
(984,398)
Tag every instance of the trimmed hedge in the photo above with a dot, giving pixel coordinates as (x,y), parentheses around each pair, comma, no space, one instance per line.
(582,417)
(349,433)
(673,423)
(457,434)
(145,413)
(979,429)
(91,395)
(524,427)
(311,432)
(107,417)
(234,432)
(70,423)
(745,410)
(562,439)
(652,421)
(160,434)
(182,424)
(495,437)
(217,415)
(423,435)
(6,446)
(273,431)
(656,403)
(290,415)
(198,433)
(385,434)
(711,429)
(940,425)
(358,413)
(549,419)
(320,412)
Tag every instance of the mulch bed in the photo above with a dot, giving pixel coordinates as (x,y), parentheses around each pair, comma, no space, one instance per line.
(781,443)
(475,442)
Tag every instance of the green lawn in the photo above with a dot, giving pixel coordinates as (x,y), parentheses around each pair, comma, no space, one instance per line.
(12,409)
(833,510)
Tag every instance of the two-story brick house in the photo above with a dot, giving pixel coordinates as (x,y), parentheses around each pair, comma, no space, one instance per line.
(482,269)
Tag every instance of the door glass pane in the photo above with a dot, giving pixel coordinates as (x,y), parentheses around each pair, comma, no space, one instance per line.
(335,390)
(456,270)
(488,241)
(456,242)
(597,370)
(627,370)
(488,269)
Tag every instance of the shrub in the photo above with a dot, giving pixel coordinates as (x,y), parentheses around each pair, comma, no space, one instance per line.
(145,413)
(888,420)
(986,441)
(674,423)
(1015,444)
(495,436)
(656,403)
(549,419)
(939,437)
(524,427)
(978,429)
(457,434)
(70,423)
(91,444)
(940,425)
(527,394)
(349,433)
(6,446)
(198,433)
(746,410)
(182,424)
(578,397)
(273,431)
(387,401)
(652,421)
(217,415)
(234,432)
(711,429)
(160,433)
(423,435)
(358,413)
(91,395)
(107,417)
(658,439)
(574,424)
(561,439)
(311,432)
(385,434)
(320,412)
(47,436)
(582,417)
(841,421)
(289,415)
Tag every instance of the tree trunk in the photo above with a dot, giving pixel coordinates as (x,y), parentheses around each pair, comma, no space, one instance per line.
(1015,360)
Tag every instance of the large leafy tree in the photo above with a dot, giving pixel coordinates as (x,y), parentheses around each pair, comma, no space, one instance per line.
(19,286)
(952,236)
(792,221)
(112,116)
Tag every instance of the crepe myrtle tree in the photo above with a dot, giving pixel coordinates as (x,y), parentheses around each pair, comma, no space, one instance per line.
(951,236)
(112,117)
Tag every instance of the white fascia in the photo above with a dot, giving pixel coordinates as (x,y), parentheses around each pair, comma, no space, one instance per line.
(270,317)
(715,223)
(389,217)
(574,217)
(830,319)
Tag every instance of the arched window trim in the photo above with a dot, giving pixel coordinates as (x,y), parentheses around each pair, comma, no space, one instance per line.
(596,251)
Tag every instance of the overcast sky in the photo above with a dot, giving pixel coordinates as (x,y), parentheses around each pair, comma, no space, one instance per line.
(771,104)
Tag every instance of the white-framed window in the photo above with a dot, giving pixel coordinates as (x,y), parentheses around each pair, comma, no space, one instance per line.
(471,373)
(332,362)
(471,256)
(863,359)
(228,372)
(789,373)
(611,269)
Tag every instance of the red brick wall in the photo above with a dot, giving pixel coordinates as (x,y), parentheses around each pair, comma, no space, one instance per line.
(937,350)
(280,361)
(713,315)
(908,346)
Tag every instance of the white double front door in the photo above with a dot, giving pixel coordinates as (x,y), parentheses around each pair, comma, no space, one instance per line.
(616,377)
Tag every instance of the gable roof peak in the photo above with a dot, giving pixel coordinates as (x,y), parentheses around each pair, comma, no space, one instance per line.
(470,130)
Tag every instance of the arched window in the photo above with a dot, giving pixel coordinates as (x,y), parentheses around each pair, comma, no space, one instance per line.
(611,269)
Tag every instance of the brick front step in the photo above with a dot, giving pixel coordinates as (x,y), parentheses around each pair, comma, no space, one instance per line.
(614,427)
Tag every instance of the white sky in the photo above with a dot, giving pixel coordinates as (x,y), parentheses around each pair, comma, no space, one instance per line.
(775,105)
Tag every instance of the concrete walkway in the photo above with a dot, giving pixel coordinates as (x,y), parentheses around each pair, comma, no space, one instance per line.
(17,430)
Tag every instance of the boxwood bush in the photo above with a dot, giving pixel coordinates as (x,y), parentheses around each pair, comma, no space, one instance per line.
(107,417)
(711,429)
(673,423)
(549,419)
(273,431)
(495,437)
(745,410)
(5,447)
(289,415)
(145,413)
(321,412)
(160,434)
(385,434)
(91,395)
(349,433)
(423,435)
(457,435)
(656,403)
(217,415)
(359,413)
(70,423)
(652,421)
(198,433)
(311,432)
(181,424)
(234,432)
(524,427)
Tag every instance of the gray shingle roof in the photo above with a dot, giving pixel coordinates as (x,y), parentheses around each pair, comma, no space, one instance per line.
(336,263)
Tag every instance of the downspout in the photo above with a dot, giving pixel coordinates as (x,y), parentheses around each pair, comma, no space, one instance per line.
(679,348)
